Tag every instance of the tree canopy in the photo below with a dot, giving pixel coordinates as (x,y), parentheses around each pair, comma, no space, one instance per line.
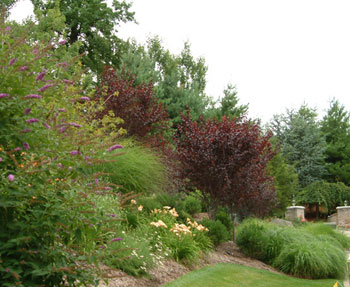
(94,24)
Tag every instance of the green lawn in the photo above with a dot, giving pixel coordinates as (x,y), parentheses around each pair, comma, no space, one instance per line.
(230,275)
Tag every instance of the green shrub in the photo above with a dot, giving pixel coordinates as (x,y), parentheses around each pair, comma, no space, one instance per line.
(251,238)
(217,231)
(225,218)
(183,248)
(312,259)
(192,204)
(132,219)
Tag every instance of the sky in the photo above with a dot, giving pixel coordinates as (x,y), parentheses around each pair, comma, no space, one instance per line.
(278,53)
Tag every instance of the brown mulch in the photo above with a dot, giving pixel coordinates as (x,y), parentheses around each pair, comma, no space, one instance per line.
(170,270)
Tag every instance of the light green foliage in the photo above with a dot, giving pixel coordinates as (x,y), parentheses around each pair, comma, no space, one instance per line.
(93,24)
(336,128)
(302,143)
(285,181)
(320,229)
(312,259)
(179,80)
(306,251)
(136,168)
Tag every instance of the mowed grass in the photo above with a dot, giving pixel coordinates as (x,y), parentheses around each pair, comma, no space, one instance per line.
(231,275)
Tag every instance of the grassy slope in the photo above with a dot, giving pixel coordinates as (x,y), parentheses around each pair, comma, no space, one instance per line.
(231,275)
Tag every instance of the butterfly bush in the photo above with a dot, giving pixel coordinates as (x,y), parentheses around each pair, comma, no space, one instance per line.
(50,226)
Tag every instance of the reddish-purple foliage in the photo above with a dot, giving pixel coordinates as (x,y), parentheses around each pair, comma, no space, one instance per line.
(136,105)
(227,159)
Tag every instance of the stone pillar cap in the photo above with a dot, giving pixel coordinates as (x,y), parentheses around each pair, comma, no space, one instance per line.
(301,207)
(343,207)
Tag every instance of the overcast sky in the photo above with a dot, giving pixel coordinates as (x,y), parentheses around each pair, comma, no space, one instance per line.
(278,53)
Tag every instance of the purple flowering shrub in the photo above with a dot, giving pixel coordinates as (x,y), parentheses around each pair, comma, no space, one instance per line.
(50,226)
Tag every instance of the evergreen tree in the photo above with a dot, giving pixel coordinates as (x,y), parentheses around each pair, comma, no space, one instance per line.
(336,129)
(179,80)
(302,143)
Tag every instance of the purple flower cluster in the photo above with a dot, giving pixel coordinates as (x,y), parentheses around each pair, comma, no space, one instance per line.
(69,82)
(41,76)
(3,95)
(26,146)
(62,110)
(62,42)
(75,125)
(30,121)
(7,29)
(12,61)
(85,98)
(44,88)
(114,147)
(11,177)
(33,96)
(74,152)
(24,68)
(27,111)
(116,239)
(46,126)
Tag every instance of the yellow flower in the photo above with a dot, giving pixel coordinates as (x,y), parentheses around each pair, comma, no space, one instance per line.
(336,284)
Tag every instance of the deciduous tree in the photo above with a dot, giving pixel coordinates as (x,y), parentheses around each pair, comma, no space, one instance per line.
(94,24)
(227,160)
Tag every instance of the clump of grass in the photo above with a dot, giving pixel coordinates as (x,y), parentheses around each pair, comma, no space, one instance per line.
(318,229)
(137,169)
(312,259)
(308,251)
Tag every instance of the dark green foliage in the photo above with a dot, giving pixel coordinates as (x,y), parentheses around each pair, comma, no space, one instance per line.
(225,218)
(218,232)
(132,219)
(92,23)
(327,194)
(336,128)
(228,105)
(285,181)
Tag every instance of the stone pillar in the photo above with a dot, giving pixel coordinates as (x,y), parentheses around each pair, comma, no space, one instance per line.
(343,216)
(295,213)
